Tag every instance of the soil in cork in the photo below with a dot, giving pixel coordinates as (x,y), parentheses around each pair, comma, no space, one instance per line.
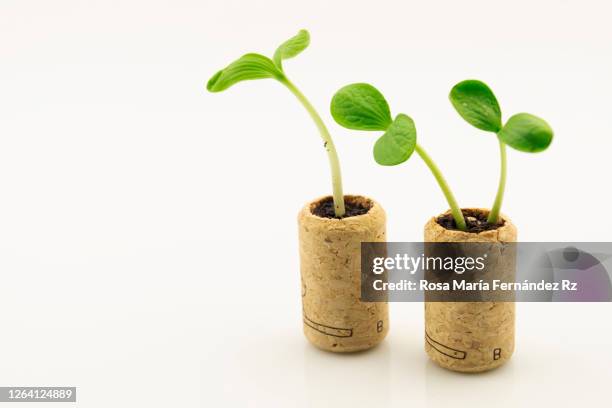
(476,221)
(353,208)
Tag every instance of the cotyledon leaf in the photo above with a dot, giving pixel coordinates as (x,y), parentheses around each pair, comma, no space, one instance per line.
(247,67)
(361,107)
(291,48)
(398,143)
(476,103)
(526,133)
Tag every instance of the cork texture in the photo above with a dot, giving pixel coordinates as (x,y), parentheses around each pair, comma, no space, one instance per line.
(330,262)
(472,336)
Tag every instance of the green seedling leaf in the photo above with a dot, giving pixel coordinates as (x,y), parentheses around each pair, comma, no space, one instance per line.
(256,66)
(291,48)
(247,67)
(526,133)
(476,103)
(398,142)
(361,107)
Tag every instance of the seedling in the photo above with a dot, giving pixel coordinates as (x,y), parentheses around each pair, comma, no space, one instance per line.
(476,103)
(363,107)
(255,66)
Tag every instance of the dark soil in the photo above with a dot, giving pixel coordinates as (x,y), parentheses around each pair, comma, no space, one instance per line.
(476,221)
(353,208)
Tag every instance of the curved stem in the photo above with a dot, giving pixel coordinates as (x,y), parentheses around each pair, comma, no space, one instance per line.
(499,198)
(452,202)
(332,155)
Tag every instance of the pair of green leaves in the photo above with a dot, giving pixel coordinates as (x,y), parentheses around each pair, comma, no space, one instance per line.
(256,66)
(362,107)
(476,103)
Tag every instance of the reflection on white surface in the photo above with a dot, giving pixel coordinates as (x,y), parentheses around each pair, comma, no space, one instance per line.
(493,388)
(283,369)
(367,374)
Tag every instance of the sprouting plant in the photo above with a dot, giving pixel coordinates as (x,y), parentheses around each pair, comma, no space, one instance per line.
(256,66)
(363,107)
(476,103)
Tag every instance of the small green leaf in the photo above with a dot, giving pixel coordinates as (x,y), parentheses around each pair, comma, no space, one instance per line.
(361,107)
(398,142)
(476,103)
(247,67)
(526,133)
(291,48)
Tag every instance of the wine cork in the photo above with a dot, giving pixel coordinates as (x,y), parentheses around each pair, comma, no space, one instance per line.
(472,336)
(334,317)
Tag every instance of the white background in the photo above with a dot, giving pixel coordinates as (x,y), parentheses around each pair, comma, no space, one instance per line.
(148,239)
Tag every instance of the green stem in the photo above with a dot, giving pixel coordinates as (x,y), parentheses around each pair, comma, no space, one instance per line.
(499,198)
(332,155)
(452,202)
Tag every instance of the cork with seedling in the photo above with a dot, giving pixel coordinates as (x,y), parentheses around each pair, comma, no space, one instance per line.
(460,336)
(331,228)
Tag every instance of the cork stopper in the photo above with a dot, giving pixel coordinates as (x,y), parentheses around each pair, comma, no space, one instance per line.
(472,336)
(334,317)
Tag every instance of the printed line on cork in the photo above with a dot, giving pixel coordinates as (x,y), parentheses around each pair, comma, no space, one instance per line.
(328,330)
(452,353)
